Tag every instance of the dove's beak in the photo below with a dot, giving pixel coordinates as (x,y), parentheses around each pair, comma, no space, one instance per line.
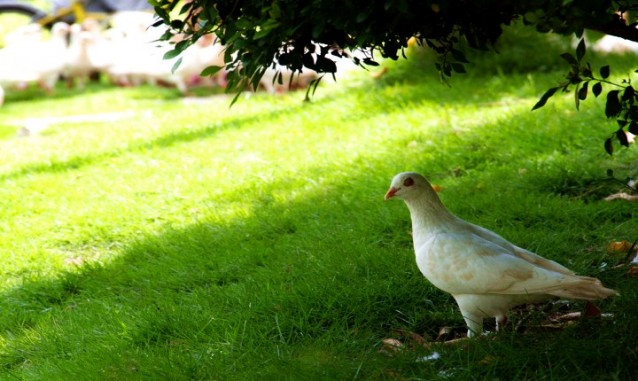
(391,192)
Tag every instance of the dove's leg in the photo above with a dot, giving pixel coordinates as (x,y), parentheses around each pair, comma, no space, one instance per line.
(501,320)
(474,324)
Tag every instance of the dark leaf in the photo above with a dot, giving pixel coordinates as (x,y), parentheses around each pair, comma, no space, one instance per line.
(459,68)
(587,71)
(576,96)
(309,61)
(609,146)
(604,71)
(582,93)
(597,89)
(622,137)
(628,94)
(621,123)
(610,173)
(570,59)
(548,94)
(326,65)
(633,128)
(177,24)
(613,106)
(447,70)
(581,49)
(370,61)
(459,56)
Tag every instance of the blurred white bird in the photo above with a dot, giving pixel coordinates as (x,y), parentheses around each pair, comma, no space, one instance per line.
(486,274)
(30,58)
(78,65)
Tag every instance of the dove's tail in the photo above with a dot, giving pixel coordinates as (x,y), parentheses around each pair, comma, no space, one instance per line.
(584,288)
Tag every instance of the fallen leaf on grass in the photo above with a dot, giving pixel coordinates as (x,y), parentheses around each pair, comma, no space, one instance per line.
(451,333)
(629,249)
(413,337)
(488,360)
(591,311)
(619,246)
(412,341)
(566,317)
(391,345)
(622,196)
(553,316)
(633,271)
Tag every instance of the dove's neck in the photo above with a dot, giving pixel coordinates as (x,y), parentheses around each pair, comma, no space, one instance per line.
(428,216)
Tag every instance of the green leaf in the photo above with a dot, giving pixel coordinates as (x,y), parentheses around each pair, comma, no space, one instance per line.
(580,50)
(161,12)
(172,54)
(604,71)
(210,70)
(186,7)
(597,89)
(548,94)
(176,65)
(613,106)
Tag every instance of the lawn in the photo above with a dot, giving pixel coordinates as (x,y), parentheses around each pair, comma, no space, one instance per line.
(148,237)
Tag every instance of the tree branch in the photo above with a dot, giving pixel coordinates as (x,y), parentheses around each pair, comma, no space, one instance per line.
(617,27)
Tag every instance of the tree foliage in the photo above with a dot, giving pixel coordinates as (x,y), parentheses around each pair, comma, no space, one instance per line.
(309,34)
(299,35)
(621,102)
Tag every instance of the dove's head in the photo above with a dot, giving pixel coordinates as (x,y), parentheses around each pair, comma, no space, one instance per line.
(405,185)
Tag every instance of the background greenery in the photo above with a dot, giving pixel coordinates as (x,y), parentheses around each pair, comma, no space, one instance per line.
(186,240)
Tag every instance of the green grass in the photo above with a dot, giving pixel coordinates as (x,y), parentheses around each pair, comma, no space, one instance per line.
(190,241)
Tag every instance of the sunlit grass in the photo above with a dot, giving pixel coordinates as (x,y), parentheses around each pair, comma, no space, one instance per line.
(184,239)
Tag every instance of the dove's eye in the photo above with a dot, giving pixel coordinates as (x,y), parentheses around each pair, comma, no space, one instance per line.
(408,182)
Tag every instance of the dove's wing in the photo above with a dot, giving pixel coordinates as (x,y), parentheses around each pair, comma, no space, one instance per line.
(465,263)
(517,251)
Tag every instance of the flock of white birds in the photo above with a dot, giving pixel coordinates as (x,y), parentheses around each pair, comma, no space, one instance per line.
(128,53)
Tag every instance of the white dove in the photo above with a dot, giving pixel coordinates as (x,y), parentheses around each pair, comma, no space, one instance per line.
(486,274)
